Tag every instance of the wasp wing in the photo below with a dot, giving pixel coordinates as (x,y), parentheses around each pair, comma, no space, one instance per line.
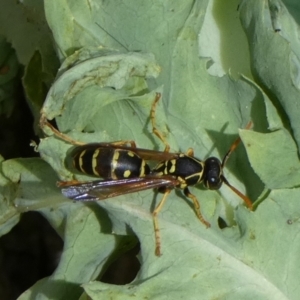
(145,154)
(103,189)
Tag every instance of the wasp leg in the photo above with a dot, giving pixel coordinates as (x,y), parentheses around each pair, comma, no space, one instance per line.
(44,122)
(68,183)
(155,222)
(190,152)
(154,128)
(196,207)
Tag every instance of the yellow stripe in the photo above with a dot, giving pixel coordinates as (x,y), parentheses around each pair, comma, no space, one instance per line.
(173,167)
(142,170)
(94,162)
(200,174)
(114,164)
(80,161)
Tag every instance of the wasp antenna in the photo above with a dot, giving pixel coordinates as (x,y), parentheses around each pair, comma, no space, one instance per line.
(249,125)
(234,145)
(241,195)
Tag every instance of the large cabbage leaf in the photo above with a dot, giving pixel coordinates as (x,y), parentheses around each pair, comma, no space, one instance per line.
(116,55)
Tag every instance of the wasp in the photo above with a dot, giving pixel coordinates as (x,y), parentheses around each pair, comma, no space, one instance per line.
(125,169)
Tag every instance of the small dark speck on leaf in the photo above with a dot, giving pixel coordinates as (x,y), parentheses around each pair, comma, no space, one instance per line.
(252,236)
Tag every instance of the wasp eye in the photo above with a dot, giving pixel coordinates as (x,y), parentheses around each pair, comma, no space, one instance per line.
(213,182)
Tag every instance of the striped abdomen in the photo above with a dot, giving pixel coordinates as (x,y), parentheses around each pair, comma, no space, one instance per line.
(108,162)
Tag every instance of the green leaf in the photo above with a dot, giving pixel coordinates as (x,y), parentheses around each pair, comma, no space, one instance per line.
(275,32)
(29,184)
(36,83)
(196,115)
(104,91)
(274,157)
(9,215)
(93,74)
(194,259)
(85,227)
(25,26)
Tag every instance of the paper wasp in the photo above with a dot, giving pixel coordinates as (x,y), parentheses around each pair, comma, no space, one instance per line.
(124,169)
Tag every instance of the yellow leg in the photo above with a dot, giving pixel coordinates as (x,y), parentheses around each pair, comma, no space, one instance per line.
(44,122)
(190,152)
(155,222)
(68,183)
(196,207)
(154,129)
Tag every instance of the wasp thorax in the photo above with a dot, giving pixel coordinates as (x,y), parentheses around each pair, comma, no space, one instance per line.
(212,173)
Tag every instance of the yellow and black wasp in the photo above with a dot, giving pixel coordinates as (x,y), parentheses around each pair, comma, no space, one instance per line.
(124,170)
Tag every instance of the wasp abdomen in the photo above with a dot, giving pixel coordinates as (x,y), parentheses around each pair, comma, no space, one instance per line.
(108,162)
(127,164)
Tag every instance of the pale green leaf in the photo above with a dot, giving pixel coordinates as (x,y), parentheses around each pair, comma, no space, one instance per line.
(104,93)
(274,157)
(274,45)
(25,27)
(220,264)
(29,184)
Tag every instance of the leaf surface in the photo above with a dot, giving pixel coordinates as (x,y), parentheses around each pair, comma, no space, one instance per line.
(117,57)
